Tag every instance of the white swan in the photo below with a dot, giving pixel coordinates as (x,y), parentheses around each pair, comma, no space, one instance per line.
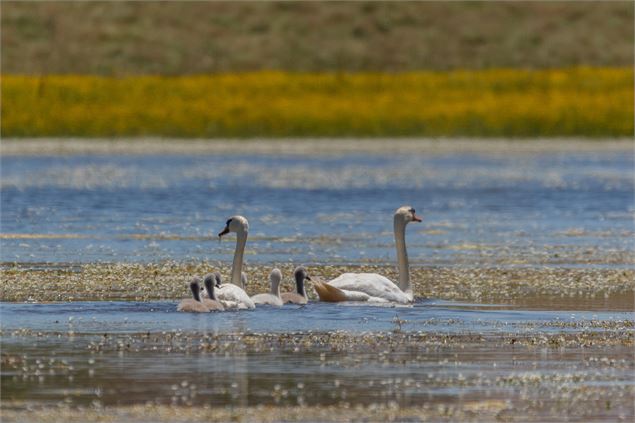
(230,293)
(273,297)
(298,297)
(193,305)
(217,280)
(371,286)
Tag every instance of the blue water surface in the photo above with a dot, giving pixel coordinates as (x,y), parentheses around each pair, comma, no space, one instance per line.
(324,209)
(433,316)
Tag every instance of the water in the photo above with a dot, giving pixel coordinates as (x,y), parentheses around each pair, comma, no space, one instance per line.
(434,316)
(566,209)
(113,354)
(563,209)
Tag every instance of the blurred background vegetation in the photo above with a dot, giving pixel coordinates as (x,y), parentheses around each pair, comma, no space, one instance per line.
(179,39)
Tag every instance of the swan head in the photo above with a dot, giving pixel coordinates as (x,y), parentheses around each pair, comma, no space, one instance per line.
(406,214)
(300,274)
(275,277)
(237,224)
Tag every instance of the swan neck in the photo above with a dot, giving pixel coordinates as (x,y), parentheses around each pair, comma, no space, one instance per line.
(299,286)
(275,288)
(237,265)
(402,257)
(196,292)
(210,290)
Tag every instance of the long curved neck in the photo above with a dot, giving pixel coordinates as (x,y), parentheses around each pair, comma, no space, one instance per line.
(209,286)
(299,286)
(196,292)
(402,257)
(237,265)
(275,288)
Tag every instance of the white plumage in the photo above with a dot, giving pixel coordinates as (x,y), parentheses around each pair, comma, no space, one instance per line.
(369,287)
(372,287)
(273,297)
(233,297)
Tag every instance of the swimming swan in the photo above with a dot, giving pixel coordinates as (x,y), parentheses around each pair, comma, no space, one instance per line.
(193,305)
(230,293)
(211,302)
(298,297)
(216,279)
(371,286)
(273,297)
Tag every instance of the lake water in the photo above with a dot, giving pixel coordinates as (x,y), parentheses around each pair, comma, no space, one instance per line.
(434,316)
(562,209)
(572,209)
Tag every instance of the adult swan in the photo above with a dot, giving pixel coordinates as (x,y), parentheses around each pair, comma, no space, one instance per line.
(371,286)
(231,294)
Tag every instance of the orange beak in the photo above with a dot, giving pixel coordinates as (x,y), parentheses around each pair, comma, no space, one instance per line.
(416,218)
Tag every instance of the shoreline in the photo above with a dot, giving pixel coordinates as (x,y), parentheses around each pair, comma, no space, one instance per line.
(310,146)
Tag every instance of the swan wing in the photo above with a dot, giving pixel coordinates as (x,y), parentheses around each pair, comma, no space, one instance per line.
(266,299)
(293,298)
(329,293)
(375,286)
(213,305)
(192,306)
(230,293)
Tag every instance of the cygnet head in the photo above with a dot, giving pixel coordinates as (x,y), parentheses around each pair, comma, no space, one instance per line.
(218,278)
(300,274)
(195,286)
(237,224)
(405,215)
(275,277)
(209,281)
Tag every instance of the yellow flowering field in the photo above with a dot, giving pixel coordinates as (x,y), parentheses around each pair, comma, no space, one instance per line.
(498,102)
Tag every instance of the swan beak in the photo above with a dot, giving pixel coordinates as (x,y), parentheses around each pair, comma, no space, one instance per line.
(308,278)
(224,232)
(416,218)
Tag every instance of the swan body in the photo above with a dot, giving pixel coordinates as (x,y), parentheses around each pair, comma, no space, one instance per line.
(293,298)
(298,297)
(273,297)
(369,287)
(193,305)
(373,287)
(232,295)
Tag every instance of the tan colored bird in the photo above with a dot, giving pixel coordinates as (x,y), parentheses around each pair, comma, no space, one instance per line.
(298,297)
(211,302)
(193,305)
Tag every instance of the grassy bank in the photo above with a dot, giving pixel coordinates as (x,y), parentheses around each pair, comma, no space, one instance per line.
(516,103)
(186,37)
